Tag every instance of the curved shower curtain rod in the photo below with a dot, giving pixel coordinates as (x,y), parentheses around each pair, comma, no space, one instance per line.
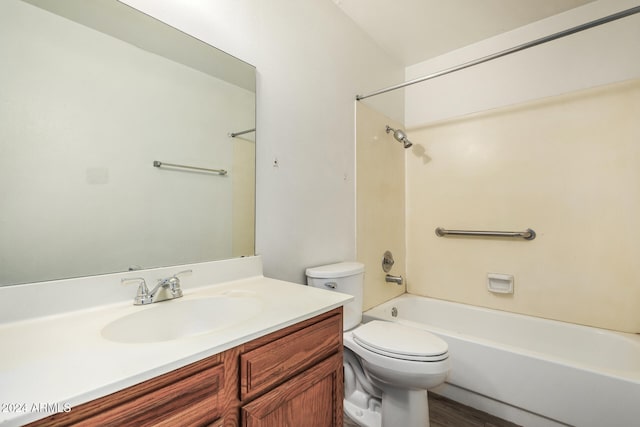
(536,42)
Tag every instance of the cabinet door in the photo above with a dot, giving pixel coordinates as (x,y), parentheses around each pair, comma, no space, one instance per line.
(311,399)
(273,363)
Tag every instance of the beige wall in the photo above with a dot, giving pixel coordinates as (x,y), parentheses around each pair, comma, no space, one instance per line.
(566,166)
(380,203)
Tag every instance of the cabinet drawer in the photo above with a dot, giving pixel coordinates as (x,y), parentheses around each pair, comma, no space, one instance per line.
(193,401)
(189,396)
(273,363)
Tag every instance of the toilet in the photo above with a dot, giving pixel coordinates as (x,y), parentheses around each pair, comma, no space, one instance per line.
(388,367)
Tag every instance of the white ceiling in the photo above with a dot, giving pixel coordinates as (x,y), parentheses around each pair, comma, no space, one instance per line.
(416,30)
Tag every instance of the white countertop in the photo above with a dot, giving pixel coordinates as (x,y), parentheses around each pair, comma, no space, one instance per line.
(64,360)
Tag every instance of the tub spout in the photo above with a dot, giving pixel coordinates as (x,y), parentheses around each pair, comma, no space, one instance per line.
(393,279)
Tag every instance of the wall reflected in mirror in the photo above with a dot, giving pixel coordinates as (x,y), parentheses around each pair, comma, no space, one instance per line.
(91,94)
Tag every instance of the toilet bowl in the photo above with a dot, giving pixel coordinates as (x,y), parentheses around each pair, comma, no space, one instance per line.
(388,367)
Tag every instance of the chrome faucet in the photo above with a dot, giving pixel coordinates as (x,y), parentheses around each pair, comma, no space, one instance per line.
(166,289)
(393,279)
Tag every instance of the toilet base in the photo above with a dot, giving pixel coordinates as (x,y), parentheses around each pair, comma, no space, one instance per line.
(362,417)
(402,407)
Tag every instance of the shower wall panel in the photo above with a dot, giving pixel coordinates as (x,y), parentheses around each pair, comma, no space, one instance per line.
(565,166)
(380,201)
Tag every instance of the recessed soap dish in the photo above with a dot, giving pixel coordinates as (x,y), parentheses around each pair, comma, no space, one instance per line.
(500,283)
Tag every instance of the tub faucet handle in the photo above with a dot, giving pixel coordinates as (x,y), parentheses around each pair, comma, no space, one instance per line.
(387,261)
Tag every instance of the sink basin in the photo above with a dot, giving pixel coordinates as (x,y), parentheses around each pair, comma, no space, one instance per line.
(171,320)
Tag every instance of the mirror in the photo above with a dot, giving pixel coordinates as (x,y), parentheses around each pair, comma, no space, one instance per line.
(91,94)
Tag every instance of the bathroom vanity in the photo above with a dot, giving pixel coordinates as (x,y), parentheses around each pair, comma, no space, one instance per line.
(289,377)
(279,362)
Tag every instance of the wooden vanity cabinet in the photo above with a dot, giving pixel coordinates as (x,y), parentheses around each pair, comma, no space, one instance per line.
(291,377)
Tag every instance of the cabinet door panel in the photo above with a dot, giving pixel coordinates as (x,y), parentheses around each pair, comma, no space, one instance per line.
(272,363)
(311,399)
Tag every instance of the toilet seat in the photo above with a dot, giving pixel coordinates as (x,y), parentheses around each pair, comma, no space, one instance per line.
(400,342)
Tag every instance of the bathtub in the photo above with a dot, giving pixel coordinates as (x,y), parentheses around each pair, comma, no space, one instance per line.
(531,371)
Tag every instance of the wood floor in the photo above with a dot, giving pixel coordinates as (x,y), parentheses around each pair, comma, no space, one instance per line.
(444,412)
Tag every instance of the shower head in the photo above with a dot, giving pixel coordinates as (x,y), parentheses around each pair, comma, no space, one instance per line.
(400,136)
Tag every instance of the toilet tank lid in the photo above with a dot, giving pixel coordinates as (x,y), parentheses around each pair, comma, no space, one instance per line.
(340,269)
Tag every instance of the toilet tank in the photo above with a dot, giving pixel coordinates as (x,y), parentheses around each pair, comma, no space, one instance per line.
(345,277)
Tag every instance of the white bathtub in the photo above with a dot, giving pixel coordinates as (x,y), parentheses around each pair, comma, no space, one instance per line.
(531,371)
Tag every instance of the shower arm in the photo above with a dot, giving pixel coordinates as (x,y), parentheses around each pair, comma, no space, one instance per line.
(400,136)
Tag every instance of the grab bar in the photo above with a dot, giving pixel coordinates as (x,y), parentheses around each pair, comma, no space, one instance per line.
(158,164)
(528,234)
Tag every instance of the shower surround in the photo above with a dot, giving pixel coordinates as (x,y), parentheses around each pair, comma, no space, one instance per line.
(565,166)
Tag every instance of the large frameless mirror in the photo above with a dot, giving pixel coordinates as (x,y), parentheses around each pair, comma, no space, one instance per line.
(94,96)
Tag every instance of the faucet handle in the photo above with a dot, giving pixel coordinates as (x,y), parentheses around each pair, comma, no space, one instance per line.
(142,296)
(182,272)
(174,283)
(174,280)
